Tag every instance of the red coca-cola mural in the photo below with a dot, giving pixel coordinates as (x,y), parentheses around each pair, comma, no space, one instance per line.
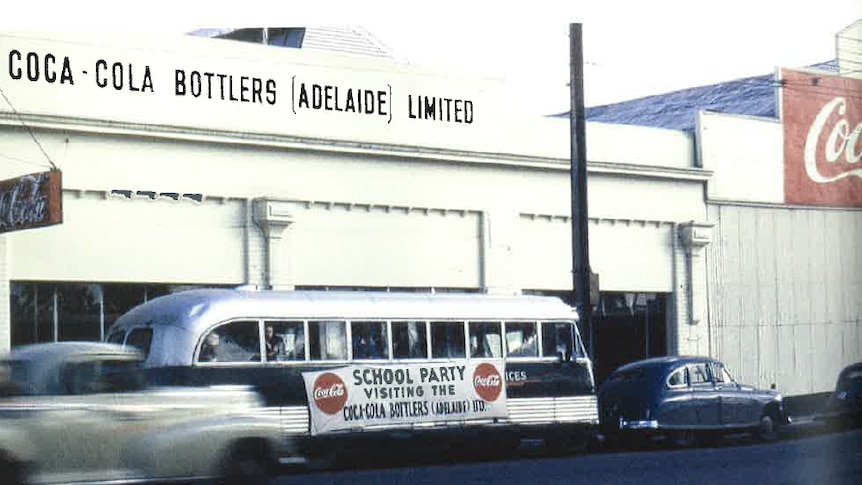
(822,119)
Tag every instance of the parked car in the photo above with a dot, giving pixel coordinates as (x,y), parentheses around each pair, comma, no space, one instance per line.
(685,398)
(81,412)
(844,406)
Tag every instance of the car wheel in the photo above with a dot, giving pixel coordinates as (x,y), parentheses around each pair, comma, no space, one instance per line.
(11,472)
(683,438)
(247,464)
(767,430)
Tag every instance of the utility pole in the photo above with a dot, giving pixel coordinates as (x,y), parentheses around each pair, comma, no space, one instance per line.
(580,235)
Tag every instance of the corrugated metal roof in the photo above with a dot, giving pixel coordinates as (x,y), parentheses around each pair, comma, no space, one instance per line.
(345,40)
(677,110)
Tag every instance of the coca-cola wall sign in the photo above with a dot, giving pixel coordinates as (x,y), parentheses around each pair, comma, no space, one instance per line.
(822,119)
(31,201)
(359,396)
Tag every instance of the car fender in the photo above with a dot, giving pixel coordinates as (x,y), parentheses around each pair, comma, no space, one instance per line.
(196,449)
(15,444)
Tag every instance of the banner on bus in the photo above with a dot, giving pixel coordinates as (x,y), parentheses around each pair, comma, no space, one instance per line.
(360,396)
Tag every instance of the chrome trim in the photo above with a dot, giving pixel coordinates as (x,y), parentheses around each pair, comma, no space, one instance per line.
(646,424)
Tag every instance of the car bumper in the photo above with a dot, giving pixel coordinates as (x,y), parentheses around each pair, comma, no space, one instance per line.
(639,424)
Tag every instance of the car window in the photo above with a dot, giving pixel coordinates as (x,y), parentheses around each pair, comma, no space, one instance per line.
(140,338)
(116,336)
(698,374)
(679,378)
(101,376)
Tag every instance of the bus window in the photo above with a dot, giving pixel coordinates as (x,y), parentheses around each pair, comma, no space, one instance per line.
(327,340)
(232,342)
(557,339)
(409,340)
(485,339)
(447,340)
(521,339)
(287,342)
(370,340)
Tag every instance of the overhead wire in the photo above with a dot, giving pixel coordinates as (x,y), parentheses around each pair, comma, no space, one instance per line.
(29,130)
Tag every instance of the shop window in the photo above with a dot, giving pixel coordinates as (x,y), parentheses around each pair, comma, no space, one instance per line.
(521,339)
(370,340)
(447,340)
(327,340)
(486,340)
(409,340)
(284,341)
(80,312)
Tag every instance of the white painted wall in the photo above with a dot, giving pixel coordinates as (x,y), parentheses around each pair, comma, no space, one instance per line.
(786,294)
(746,156)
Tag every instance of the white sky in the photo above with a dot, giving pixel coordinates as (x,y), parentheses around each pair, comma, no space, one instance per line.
(631,47)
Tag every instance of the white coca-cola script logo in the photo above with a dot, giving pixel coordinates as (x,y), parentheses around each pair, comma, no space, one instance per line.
(329,393)
(336,390)
(841,140)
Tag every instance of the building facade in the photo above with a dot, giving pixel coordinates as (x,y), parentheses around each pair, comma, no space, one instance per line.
(190,162)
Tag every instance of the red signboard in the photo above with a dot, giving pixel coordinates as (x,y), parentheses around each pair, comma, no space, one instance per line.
(34,200)
(822,118)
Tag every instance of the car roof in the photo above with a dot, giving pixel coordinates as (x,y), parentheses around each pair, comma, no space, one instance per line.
(665,361)
(61,350)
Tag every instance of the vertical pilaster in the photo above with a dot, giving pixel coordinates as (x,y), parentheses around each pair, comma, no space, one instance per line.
(499,264)
(275,220)
(694,337)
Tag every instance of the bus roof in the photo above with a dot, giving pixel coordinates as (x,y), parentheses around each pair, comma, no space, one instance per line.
(210,306)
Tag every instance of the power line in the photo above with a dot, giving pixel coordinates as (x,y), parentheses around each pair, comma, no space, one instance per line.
(29,130)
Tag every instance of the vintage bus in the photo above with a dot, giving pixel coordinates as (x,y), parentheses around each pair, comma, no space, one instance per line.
(376,370)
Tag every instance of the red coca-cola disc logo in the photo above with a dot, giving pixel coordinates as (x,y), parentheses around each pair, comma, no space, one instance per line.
(329,393)
(487,382)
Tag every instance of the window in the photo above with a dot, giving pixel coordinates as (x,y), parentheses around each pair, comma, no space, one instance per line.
(698,374)
(327,340)
(116,336)
(370,340)
(285,341)
(140,338)
(102,376)
(679,378)
(557,339)
(447,340)
(521,339)
(233,342)
(486,340)
(409,340)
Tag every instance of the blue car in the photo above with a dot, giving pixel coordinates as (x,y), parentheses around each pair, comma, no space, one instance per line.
(684,399)
(844,406)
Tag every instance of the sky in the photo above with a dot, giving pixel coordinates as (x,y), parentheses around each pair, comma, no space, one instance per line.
(631,48)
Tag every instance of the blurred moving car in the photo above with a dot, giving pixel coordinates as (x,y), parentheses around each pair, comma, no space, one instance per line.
(844,406)
(685,398)
(80,412)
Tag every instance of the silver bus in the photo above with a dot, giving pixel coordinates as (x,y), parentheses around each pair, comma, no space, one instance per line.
(369,370)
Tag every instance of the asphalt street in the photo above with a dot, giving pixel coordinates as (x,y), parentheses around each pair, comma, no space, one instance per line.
(806,458)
